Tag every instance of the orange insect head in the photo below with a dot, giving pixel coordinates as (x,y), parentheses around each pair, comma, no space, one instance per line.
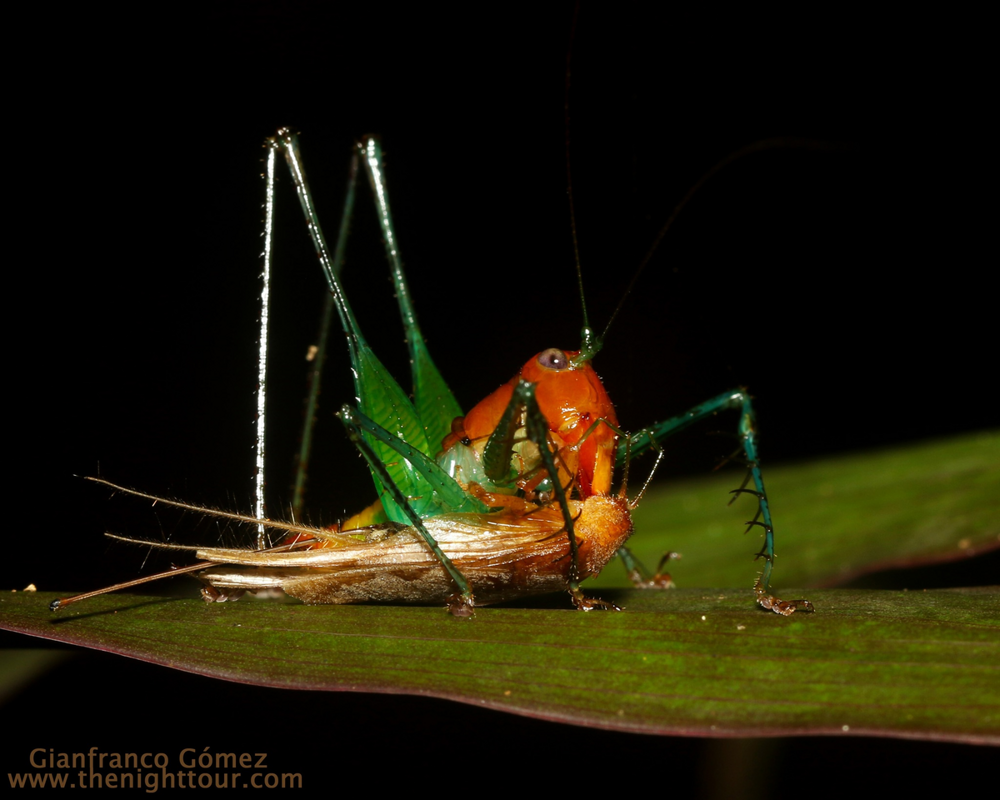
(572,399)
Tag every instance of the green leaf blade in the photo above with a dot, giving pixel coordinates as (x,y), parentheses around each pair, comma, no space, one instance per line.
(701,662)
(909,664)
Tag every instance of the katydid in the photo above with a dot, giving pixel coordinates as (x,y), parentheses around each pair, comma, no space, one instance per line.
(510,500)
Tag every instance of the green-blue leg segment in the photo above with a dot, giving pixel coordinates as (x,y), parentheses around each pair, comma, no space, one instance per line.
(449,496)
(357,425)
(734,399)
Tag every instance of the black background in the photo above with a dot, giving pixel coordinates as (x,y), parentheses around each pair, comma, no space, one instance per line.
(843,282)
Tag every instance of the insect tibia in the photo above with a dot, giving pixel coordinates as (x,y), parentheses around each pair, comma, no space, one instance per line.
(289,527)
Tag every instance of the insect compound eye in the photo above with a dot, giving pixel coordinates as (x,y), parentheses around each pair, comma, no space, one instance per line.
(553,358)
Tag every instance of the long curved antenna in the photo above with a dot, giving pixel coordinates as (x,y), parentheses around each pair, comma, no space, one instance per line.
(62,602)
(288,527)
(588,347)
(753,147)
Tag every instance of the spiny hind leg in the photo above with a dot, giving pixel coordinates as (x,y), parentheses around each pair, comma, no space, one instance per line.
(462,603)
(740,400)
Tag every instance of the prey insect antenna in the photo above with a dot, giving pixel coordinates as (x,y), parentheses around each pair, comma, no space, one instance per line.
(289,527)
(634,503)
(280,548)
(733,456)
(55,605)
